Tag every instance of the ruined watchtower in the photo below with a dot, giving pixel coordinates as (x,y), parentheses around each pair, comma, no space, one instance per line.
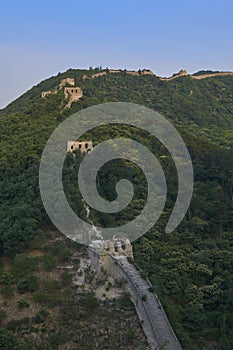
(74,92)
(84,146)
(102,251)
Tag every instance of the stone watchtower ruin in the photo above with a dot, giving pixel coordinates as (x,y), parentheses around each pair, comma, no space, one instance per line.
(72,93)
(84,146)
(101,252)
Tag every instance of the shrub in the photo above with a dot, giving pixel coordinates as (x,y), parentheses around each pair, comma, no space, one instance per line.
(91,301)
(2,315)
(7,291)
(22,286)
(24,263)
(57,339)
(130,260)
(7,340)
(66,278)
(130,336)
(40,297)
(144,297)
(38,318)
(125,301)
(6,278)
(44,313)
(119,283)
(32,283)
(13,325)
(22,304)
(109,286)
(144,275)
(29,283)
(49,263)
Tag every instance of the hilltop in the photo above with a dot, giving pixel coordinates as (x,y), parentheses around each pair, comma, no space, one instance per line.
(201,103)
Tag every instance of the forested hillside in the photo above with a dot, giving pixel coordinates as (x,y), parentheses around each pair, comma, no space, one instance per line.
(191,268)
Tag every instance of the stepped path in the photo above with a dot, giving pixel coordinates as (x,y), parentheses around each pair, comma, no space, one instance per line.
(154,320)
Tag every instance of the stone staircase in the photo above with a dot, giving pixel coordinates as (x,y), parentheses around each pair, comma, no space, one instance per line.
(157,327)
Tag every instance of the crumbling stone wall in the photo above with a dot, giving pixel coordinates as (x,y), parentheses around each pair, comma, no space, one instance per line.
(46,93)
(65,81)
(76,94)
(84,146)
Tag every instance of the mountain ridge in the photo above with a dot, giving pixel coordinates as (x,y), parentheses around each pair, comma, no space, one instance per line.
(192,268)
(182,73)
(194,103)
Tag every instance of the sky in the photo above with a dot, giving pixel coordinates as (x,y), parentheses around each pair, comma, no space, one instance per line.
(39,38)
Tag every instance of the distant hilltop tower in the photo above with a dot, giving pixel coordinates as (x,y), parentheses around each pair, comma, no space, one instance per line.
(183,72)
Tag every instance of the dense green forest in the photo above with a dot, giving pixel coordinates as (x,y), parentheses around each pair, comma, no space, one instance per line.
(191,268)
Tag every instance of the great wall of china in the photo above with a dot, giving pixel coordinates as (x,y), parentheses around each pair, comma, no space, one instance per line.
(112,256)
(181,73)
(73,93)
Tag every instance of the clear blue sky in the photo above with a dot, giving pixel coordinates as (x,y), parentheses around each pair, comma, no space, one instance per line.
(39,38)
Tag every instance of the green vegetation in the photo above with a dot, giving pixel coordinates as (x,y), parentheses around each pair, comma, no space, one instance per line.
(144,297)
(49,315)
(192,268)
(202,72)
(29,283)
